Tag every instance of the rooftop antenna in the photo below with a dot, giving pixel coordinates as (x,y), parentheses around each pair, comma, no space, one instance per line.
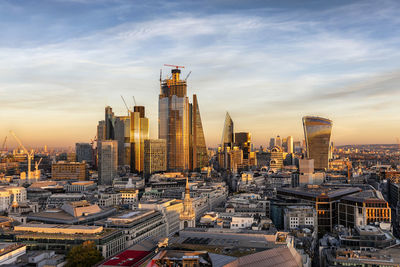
(160,75)
(125,104)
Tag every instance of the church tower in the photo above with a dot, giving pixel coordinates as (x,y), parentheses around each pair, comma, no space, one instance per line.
(188,215)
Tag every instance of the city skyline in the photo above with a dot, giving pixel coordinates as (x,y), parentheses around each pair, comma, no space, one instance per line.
(268,65)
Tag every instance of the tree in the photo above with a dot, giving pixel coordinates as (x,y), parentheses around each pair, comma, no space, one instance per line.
(84,255)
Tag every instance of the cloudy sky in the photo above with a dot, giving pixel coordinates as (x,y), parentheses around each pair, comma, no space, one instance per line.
(266,62)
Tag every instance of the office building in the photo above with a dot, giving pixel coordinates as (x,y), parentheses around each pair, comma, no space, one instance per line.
(276,162)
(117,128)
(61,238)
(272,142)
(317,133)
(325,199)
(137,225)
(289,142)
(84,152)
(278,141)
(243,141)
(63,170)
(155,156)
(228,132)
(198,148)
(300,216)
(10,252)
(173,121)
(171,210)
(139,132)
(364,208)
(179,123)
(108,166)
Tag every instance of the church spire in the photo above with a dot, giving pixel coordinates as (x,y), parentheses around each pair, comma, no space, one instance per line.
(188,215)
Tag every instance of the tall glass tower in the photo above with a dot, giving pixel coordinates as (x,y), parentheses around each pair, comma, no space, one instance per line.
(317,133)
(227,133)
(173,121)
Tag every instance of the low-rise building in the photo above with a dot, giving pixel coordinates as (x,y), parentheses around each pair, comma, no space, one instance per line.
(170,208)
(69,171)
(137,225)
(9,252)
(61,238)
(300,216)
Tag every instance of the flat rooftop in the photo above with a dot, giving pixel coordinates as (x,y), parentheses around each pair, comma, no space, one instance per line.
(315,192)
(127,258)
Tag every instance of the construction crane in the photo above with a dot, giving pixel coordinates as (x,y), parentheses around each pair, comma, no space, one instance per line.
(28,154)
(37,172)
(4,144)
(125,104)
(175,66)
(187,76)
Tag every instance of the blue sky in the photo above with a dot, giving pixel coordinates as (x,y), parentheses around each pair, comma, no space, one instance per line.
(266,62)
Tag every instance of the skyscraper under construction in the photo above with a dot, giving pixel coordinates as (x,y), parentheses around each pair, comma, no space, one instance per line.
(179,123)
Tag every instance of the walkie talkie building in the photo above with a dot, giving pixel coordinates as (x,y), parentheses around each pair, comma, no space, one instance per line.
(317,133)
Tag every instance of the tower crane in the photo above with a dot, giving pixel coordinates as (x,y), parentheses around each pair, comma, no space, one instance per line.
(28,154)
(187,76)
(125,105)
(4,144)
(175,66)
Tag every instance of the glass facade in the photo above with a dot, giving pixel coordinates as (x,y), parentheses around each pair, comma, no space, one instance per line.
(227,133)
(317,133)
(198,144)
(173,116)
(139,131)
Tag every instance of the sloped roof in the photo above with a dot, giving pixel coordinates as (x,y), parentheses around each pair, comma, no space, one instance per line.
(277,257)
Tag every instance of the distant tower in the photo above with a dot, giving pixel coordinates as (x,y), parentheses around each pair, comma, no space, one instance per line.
(228,132)
(289,142)
(108,166)
(278,141)
(272,142)
(317,133)
(188,215)
(139,131)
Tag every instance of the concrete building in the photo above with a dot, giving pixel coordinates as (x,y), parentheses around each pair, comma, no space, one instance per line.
(10,252)
(63,170)
(137,225)
(300,216)
(171,210)
(61,238)
(276,162)
(108,165)
(155,156)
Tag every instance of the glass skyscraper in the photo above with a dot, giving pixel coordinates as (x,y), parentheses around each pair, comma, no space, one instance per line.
(179,123)
(317,133)
(227,133)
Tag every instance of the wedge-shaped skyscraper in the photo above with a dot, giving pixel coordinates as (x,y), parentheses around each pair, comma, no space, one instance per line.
(317,133)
